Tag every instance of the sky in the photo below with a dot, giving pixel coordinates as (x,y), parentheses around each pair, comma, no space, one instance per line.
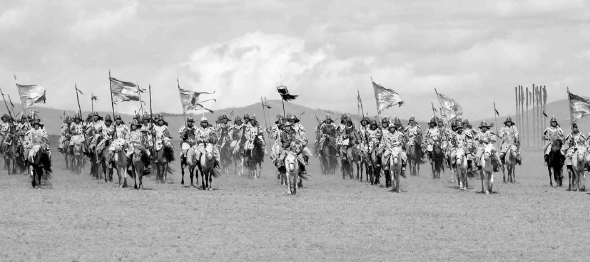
(474,51)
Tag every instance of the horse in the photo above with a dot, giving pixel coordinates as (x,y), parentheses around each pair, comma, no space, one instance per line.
(436,162)
(191,164)
(120,160)
(328,155)
(460,163)
(393,169)
(555,162)
(95,157)
(510,159)
(579,162)
(415,155)
(206,167)
(40,166)
(237,158)
(373,169)
(164,154)
(487,170)
(140,160)
(225,154)
(357,160)
(254,156)
(64,152)
(292,172)
(9,147)
(78,154)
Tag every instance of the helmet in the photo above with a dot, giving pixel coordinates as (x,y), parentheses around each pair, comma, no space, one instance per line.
(328,118)
(508,119)
(237,119)
(385,120)
(36,121)
(246,116)
(465,122)
(190,119)
(433,121)
(553,119)
(95,113)
(161,118)
(412,119)
(374,122)
(224,117)
(204,120)
(146,117)
(5,116)
(90,115)
(484,124)
(136,123)
(117,117)
(107,118)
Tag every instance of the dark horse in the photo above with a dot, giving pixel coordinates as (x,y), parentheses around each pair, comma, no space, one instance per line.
(437,159)
(10,149)
(254,157)
(415,155)
(41,167)
(225,153)
(328,155)
(164,155)
(555,161)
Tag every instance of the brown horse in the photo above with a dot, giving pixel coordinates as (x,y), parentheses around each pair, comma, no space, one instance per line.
(10,149)
(120,161)
(436,162)
(191,164)
(40,167)
(510,159)
(393,169)
(140,160)
(164,156)
(254,157)
(415,155)
(555,163)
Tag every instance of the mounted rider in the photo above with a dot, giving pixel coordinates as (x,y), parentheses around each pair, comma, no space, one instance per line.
(576,142)
(36,139)
(373,138)
(160,132)
(188,135)
(237,133)
(138,140)
(326,129)
(206,135)
(222,129)
(147,127)
(254,131)
(458,140)
(486,138)
(551,133)
(94,130)
(412,131)
(291,142)
(300,135)
(275,134)
(5,125)
(510,136)
(65,133)
(433,133)
(392,140)
(77,131)
(362,136)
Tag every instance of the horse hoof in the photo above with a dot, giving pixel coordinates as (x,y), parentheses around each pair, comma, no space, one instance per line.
(487,192)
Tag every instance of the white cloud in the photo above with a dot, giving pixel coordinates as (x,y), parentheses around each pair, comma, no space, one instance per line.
(88,27)
(12,17)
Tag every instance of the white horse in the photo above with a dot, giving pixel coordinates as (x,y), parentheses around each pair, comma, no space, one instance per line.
(579,161)
(395,168)
(292,172)
(487,169)
(460,162)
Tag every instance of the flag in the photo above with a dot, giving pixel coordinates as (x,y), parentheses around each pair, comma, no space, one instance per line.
(579,106)
(190,100)
(124,91)
(79,91)
(265,103)
(358,99)
(497,113)
(450,106)
(284,92)
(94,98)
(31,95)
(386,97)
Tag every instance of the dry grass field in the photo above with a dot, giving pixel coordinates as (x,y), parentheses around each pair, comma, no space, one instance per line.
(75,218)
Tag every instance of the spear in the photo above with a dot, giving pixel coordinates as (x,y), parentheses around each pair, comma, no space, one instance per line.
(112,102)
(78,97)
(264,112)
(9,113)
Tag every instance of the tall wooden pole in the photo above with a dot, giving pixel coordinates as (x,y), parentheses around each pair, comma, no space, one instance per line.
(516,106)
(112,101)
(78,98)
(534,106)
(528,129)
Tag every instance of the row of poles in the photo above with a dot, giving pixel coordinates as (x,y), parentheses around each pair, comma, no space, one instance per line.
(531,116)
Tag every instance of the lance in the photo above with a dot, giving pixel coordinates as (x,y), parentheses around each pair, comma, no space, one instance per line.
(9,113)
(78,98)
(112,102)
(495,118)
(264,113)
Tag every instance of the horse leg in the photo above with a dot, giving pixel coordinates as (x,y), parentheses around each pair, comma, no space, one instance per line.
(550,176)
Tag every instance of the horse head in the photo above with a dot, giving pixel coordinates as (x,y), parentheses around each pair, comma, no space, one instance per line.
(291,163)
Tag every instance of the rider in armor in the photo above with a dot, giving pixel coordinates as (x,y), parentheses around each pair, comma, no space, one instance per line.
(509,134)
(392,138)
(291,142)
(187,134)
(300,135)
(95,129)
(237,133)
(485,137)
(35,139)
(138,140)
(148,128)
(275,134)
(327,128)
(552,133)
(77,131)
(458,139)
(373,138)
(413,130)
(254,131)
(432,134)
(222,130)
(206,135)
(65,133)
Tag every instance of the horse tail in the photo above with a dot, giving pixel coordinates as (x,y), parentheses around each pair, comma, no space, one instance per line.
(46,164)
(168,154)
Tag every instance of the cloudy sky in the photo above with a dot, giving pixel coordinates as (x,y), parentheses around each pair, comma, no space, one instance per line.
(475,51)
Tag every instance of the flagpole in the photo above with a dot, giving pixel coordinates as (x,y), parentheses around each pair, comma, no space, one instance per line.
(140,101)
(264,112)
(112,102)
(495,118)
(22,104)
(92,101)
(9,113)
(570,106)
(183,111)
(527,117)
(516,104)
(78,98)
